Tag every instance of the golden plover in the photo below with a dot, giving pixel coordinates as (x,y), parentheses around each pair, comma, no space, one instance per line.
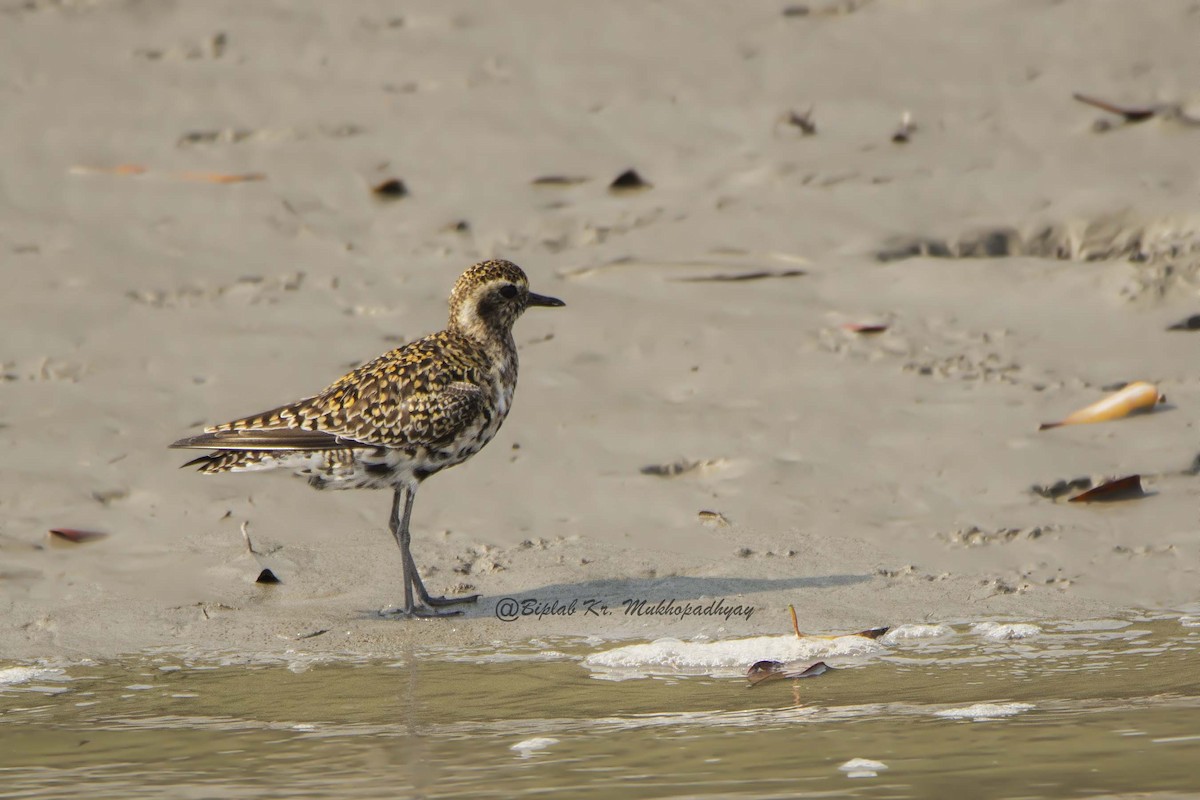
(395,421)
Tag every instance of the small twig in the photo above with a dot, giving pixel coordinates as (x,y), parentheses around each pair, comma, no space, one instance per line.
(696,263)
(743,276)
(1130,113)
(131,170)
(312,635)
(246,536)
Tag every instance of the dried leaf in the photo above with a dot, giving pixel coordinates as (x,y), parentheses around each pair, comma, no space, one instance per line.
(392,189)
(75,536)
(1127,488)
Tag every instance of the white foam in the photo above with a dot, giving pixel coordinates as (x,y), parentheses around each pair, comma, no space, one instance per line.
(1006,632)
(862,768)
(16,675)
(903,632)
(528,747)
(984,711)
(672,655)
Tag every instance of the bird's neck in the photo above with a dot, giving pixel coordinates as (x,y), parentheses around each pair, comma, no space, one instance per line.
(496,339)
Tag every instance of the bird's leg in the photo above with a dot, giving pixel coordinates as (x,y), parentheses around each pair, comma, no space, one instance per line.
(401,517)
(399,526)
(414,577)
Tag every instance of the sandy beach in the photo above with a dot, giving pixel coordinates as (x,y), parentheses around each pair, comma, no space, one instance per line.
(676,435)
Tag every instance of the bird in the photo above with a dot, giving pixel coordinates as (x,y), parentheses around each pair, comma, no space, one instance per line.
(394,421)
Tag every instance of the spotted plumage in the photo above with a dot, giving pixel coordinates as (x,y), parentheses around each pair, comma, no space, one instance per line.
(396,420)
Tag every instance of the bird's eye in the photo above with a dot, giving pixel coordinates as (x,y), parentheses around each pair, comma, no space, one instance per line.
(508,291)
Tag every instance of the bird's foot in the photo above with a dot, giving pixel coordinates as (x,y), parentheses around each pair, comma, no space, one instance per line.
(418,612)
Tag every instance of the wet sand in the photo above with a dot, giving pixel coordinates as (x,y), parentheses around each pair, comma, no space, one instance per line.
(1021,259)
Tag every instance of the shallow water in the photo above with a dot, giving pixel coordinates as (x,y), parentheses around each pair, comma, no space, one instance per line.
(1072,710)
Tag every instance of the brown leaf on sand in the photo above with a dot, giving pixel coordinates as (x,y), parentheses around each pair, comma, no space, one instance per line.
(744,276)
(75,536)
(1127,488)
(391,189)
(765,671)
(864,327)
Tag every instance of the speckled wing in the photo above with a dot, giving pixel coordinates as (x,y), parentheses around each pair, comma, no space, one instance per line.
(417,396)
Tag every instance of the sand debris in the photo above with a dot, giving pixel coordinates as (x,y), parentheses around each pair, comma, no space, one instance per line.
(743,276)
(682,467)
(629,181)
(391,189)
(905,131)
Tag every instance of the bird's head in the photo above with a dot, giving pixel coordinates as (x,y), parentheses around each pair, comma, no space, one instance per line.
(488,298)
